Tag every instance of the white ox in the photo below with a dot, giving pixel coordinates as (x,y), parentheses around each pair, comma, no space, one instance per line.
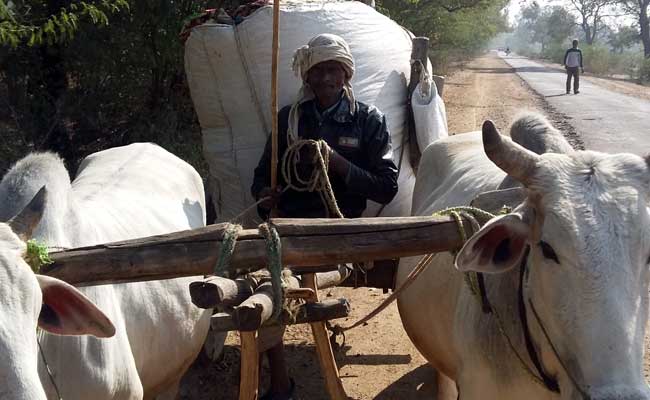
(121,193)
(585,290)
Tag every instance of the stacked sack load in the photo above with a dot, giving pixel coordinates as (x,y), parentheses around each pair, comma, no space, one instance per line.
(228,67)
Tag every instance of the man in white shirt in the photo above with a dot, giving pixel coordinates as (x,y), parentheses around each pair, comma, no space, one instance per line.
(573,61)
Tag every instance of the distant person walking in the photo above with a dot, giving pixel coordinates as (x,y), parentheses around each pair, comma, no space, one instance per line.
(573,61)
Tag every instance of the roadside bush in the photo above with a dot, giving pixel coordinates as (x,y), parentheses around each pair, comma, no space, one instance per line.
(597,59)
(644,72)
(627,64)
(554,52)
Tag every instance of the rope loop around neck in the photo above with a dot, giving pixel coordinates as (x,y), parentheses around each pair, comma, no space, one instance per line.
(274,256)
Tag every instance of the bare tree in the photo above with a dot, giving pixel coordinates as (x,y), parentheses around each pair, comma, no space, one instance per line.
(639,9)
(591,14)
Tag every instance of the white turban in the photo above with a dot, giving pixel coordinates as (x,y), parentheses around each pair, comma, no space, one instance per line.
(323,47)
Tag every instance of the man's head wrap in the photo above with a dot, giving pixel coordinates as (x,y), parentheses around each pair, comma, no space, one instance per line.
(323,47)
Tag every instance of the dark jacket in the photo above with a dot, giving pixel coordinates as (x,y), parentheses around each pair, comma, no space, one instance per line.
(573,56)
(362,138)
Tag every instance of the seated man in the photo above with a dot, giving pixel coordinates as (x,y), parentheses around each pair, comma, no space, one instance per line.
(360,166)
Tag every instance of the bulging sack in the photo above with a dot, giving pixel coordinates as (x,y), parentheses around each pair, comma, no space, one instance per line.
(229,72)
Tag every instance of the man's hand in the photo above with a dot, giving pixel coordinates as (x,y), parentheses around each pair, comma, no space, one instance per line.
(309,154)
(338,164)
(272,197)
(583,70)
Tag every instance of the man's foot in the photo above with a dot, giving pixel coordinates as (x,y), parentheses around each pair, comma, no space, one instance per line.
(576,92)
(280,396)
(568,92)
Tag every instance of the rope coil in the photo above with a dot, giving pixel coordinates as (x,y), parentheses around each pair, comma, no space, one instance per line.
(318,181)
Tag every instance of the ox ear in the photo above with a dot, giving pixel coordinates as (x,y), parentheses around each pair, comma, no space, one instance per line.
(66,311)
(498,247)
(24,223)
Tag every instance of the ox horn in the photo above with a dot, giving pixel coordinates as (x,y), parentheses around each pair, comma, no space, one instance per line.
(24,223)
(512,158)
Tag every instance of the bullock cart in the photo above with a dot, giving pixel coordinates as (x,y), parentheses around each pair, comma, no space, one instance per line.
(307,246)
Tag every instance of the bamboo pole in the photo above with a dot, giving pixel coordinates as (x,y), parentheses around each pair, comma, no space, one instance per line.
(274,94)
(304,242)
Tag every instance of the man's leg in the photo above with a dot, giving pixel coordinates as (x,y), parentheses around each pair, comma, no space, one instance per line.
(576,81)
(568,80)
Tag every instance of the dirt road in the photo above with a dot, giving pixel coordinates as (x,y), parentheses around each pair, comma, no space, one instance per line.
(378,360)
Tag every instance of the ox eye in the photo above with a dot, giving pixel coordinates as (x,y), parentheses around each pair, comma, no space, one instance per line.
(548,252)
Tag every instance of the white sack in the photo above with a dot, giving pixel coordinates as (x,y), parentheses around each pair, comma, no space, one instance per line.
(428,112)
(229,73)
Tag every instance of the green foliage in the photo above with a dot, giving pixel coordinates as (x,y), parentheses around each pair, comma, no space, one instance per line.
(102,87)
(547,26)
(624,38)
(598,59)
(458,29)
(37,255)
(21,23)
(554,52)
(644,71)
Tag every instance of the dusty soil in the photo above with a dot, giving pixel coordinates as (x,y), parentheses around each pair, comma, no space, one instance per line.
(378,360)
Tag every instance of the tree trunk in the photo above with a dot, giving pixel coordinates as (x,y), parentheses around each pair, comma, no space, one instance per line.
(57,137)
(644,24)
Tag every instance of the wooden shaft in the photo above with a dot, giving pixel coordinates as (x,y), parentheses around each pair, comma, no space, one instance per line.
(256,310)
(304,313)
(253,312)
(274,93)
(249,371)
(216,291)
(304,242)
(328,365)
(326,280)
(418,53)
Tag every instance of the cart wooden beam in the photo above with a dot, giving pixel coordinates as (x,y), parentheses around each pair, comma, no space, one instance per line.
(305,242)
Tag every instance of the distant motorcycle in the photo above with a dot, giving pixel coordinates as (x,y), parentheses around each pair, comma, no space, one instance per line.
(508,51)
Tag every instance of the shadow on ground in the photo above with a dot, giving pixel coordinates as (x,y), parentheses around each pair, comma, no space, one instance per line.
(417,384)
(220,380)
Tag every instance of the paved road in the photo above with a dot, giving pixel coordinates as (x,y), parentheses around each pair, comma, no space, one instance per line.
(605,121)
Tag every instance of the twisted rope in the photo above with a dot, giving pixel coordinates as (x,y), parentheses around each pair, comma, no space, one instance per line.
(318,181)
(227,249)
(274,255)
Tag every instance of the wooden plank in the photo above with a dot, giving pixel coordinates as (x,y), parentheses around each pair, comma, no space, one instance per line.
(419,52)
(328,365)
(249,370)
(305,313)
(305,242)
